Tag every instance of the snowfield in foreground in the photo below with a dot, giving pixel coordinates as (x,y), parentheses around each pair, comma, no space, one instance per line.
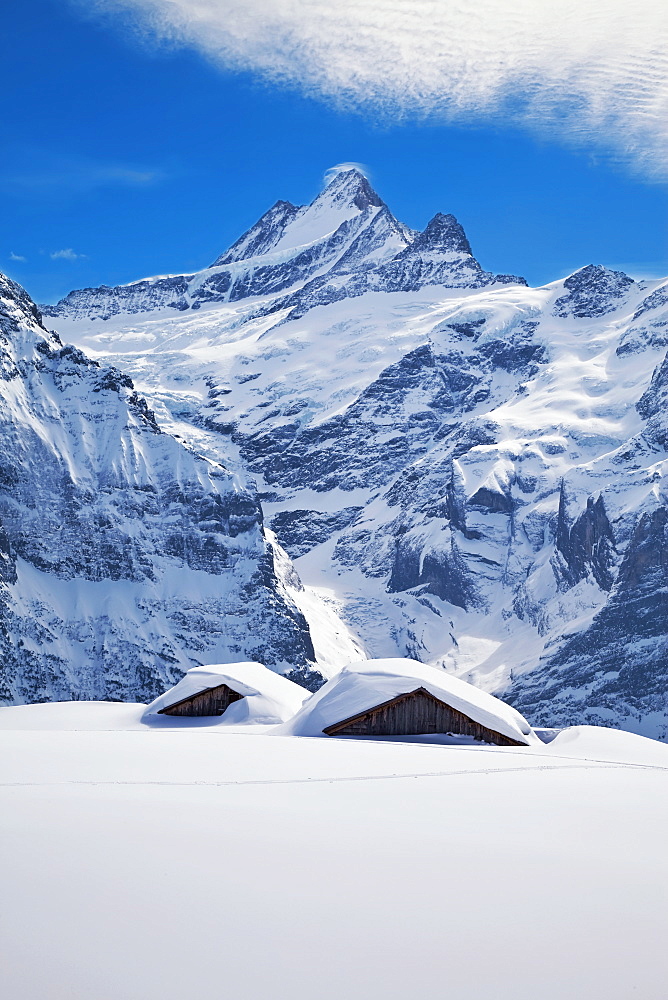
(195,860)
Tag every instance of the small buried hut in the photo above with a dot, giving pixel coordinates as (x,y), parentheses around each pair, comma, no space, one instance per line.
(238,693)
(394,697)
(211,701)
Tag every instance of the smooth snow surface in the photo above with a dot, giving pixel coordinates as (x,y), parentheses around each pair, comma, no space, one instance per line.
(173,863)
(72,716)
(267,697)
(364,685)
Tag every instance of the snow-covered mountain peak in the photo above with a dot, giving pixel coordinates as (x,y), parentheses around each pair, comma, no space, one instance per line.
(349,188)
(346,242)
(286,227)
(344,207)
(469,467)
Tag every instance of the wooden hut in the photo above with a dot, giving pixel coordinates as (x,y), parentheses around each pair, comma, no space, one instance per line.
(211,701)
(398,697)
(416,713)
(235,693)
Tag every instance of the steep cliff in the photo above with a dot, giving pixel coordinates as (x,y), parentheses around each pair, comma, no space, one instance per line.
(125,557)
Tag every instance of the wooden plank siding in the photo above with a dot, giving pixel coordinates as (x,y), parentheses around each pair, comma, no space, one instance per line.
(213,701)
(416,713)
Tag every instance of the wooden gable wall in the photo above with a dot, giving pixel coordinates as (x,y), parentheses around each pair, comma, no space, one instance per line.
(213,701)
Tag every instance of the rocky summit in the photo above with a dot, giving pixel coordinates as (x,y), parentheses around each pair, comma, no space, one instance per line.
(342,437)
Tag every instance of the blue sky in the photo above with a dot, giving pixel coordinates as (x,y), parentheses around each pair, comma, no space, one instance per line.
(124,158)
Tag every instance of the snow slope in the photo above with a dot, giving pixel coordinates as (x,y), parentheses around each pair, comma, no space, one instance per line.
(472,472)
(164,863)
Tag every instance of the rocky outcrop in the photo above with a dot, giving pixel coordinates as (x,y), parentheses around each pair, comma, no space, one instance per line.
(299,531)
(141,296)
(653,407)
(439,571)
(615,671)
(649,326)
(261,238)
(591,292)
(586,546)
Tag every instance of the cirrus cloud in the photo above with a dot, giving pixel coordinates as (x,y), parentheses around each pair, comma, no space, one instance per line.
(594,73)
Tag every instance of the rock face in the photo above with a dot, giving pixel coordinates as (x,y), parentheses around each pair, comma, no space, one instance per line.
(124,557)
(471,469)
(587,546)
(616,670)
(592,291)
(653,406)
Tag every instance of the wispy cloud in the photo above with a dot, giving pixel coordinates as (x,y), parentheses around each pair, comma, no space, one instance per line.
(340,168)
(16,256)
(49,173)
(67,254)
(595,73)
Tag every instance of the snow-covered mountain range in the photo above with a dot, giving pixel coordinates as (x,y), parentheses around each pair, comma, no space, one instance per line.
(462,469)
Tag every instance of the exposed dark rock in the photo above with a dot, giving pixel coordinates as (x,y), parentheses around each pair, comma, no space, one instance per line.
(262,237)
(653,407)
(312,680)
(518,352)
(493,501)
(615,672)
(299,531)
(442,573)
(588,546)
(593,291)
(7,561)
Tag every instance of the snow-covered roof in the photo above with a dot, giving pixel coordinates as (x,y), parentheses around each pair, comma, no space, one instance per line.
(267,697)
(361,686)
